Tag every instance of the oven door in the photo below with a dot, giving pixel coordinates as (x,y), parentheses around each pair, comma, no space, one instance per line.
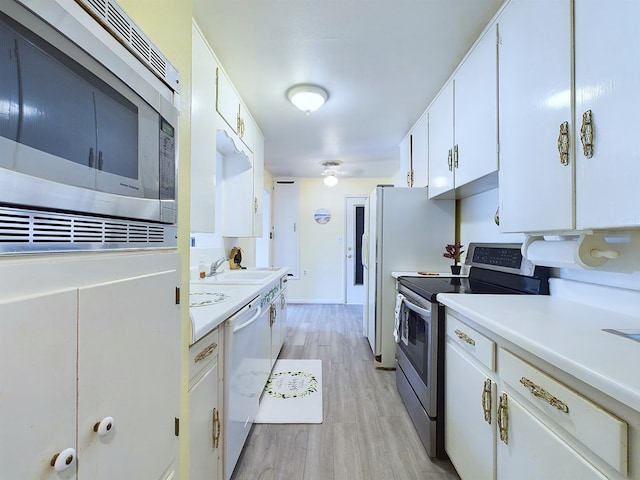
(418,348)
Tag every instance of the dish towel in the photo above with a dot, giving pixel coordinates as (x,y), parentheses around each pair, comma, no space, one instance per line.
(396,324)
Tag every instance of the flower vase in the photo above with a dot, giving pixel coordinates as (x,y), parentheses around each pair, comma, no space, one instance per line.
(455,269)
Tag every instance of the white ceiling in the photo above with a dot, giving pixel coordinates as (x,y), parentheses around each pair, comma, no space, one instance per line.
(382,62)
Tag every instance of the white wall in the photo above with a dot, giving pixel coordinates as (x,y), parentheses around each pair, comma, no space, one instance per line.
(322,246)
(476,214)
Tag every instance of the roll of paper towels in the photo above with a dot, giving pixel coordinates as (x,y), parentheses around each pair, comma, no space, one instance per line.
(586,251)
(553,253)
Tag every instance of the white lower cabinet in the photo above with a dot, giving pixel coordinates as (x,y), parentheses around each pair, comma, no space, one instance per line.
(467,385)
(533,451)
(205,415)
(38,400)
(90,374)
(507,419)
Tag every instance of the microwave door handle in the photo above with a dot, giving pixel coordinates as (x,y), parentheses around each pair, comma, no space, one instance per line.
(419,310)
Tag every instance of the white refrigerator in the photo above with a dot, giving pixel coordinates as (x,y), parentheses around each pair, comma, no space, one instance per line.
(404,231)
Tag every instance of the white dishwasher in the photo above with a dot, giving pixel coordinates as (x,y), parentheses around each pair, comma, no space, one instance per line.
(245,374)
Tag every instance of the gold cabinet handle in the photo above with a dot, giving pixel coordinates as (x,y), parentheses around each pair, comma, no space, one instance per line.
(503,419)
(450,160)
(586,134)
(455,156)
(563,143)
(486,400)
(463,336)
(216,428)
(206,352)
(539,392)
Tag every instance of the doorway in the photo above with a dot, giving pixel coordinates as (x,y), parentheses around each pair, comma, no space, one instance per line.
(354,271)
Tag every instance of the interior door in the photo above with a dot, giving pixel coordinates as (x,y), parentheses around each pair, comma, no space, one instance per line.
(354,270)
(285,225)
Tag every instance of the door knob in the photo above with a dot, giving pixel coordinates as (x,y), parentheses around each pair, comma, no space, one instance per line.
(63,460)
(104,426)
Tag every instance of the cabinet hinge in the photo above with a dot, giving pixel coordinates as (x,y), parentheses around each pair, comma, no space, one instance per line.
(176,426)
(177,295)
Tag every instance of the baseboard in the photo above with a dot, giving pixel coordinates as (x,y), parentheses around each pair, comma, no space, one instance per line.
(330,301)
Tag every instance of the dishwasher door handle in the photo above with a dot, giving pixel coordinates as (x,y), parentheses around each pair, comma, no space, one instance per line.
(248,322)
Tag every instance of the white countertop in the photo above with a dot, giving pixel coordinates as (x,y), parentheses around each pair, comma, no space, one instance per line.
(207,317)
(564,333)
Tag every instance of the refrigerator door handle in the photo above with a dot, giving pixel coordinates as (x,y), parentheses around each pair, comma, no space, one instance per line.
(365,250)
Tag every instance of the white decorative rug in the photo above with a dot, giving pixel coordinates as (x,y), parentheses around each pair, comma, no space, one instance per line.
(293,393)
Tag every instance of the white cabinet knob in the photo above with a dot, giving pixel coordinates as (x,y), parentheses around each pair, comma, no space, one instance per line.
(104,426)
(63,460)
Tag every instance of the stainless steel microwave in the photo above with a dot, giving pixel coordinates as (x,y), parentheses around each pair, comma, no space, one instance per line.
(87,114)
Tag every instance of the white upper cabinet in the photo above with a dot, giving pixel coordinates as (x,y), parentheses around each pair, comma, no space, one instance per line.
(476,110)
(536,157)
(414,156)
(420,153)
(236,117)
(203,135)
(559,173)
(404,178)
(463,126)
(441,142)
(607,81)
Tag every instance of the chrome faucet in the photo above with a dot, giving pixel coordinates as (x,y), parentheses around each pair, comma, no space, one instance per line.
(216,265)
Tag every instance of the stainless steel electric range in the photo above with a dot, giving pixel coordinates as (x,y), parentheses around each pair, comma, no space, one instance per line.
(494,269)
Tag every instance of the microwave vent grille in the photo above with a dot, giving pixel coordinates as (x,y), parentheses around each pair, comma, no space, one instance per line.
(116,21)
(23,231)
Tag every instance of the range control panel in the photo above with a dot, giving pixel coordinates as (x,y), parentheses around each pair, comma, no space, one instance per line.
(504,257)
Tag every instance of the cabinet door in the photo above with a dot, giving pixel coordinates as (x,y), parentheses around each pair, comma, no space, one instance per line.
(276,331)
(607,193)
(204,426)
(128,369)
(405,162)
(38,387)
(282,313)
(533,451)
(227,101)
(420,152)
(469,439)
(203,136)
(441,143)
(476,110)
(258,185)
(536,187)
(248,130)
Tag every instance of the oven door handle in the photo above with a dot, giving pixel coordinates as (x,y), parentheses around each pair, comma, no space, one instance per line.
(419,310)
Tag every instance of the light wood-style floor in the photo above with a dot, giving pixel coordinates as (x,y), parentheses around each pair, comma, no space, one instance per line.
(366,432)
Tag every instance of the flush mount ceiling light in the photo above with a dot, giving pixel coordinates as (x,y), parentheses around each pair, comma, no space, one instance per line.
(331,180)
(307,98)
(330,172)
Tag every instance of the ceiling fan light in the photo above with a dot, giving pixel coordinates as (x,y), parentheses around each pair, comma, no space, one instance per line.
(330,180)
(307,98)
